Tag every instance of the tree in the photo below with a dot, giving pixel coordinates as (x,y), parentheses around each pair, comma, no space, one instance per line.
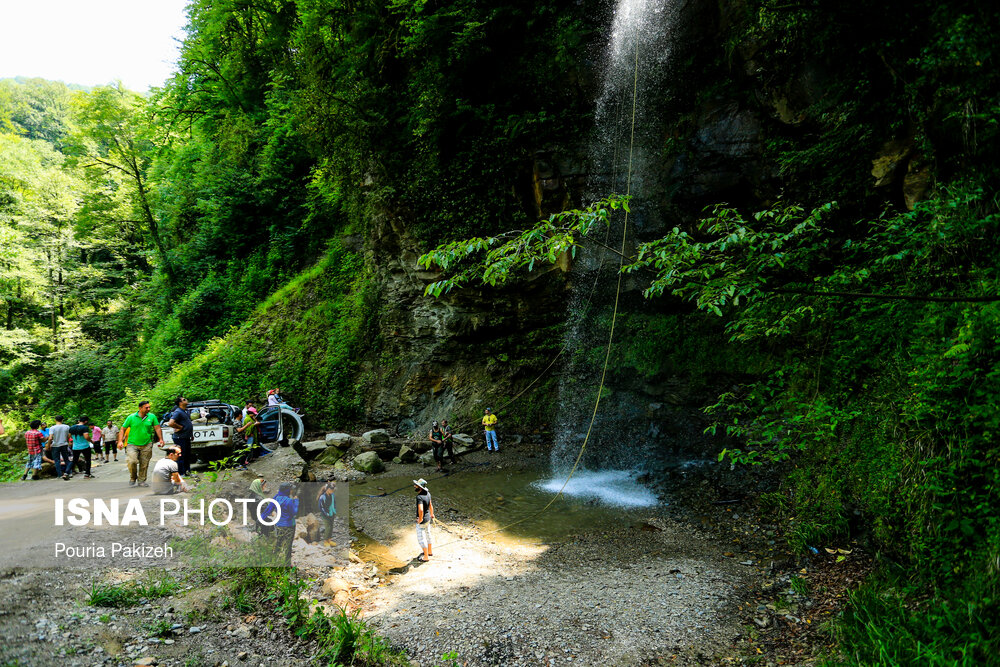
(115,142)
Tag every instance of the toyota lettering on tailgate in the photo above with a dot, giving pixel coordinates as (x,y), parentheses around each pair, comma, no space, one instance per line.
(211,434)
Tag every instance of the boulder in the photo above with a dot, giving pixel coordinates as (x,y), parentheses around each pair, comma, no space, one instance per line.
(330,456)
(341,440)
(463,438)
(312,528)
(377,437)
(342,598)
(368,462)
(340,465)
(406,455)
(419,446)
(427,459)
(334,585)
(310,450)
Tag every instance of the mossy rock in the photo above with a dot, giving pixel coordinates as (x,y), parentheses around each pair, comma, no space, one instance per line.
(368,462)
(330,456)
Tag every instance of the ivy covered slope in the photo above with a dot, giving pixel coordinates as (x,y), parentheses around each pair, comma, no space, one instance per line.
(831,206)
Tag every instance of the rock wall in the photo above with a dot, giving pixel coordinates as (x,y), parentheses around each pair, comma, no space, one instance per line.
(452,356)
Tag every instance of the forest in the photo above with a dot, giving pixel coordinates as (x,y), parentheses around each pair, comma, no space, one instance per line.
(228,231)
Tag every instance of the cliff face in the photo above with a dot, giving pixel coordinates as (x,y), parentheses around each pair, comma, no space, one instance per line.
(450,357)
(734,123)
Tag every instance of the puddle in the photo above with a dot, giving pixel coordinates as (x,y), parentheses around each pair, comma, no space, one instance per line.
(374,552)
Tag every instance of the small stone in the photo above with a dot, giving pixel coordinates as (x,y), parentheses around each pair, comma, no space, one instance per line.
(194,629)
(242,655)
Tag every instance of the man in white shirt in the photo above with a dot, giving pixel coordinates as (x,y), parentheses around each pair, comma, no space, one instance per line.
(166,476)
(109,435)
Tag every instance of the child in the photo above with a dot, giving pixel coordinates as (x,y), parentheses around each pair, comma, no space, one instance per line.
(33,439)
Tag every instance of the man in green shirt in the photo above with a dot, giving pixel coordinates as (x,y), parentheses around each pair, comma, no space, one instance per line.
(137,435)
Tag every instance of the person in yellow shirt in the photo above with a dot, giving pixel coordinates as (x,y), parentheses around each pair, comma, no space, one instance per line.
(489,427)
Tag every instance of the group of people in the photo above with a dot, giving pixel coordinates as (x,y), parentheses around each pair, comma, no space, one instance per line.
(69,448)
(76,448)
(288,503)
(443,440)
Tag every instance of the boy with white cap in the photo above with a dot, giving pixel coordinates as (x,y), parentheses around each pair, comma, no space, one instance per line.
(425,514)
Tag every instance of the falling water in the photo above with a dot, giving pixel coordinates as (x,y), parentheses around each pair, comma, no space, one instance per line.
(621,441)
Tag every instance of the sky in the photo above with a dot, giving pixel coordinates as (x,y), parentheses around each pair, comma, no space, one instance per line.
(91,42)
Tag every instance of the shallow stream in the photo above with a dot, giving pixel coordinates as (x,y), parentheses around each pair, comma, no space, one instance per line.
(591,501)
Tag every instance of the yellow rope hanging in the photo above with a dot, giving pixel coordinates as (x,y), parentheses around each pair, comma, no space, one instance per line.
(614,317)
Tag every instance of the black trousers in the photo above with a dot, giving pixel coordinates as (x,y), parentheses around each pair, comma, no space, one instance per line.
(85,453)
(184,464)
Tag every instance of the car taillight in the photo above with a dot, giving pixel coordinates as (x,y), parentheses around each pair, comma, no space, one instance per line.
(225,431)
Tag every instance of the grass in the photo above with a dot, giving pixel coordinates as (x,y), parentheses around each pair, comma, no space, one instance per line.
(11,467)
(160,628)
(887,625)
(131,593)
(343,638)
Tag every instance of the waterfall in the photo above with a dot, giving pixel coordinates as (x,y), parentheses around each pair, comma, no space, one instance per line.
(620,441)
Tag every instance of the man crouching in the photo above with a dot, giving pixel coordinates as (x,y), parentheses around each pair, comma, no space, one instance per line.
(166,474)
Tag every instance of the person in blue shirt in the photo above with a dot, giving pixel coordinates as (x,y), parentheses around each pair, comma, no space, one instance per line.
(284,529)
(327,508)
(80,435)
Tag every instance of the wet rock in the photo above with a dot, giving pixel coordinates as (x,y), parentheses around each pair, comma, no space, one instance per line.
(406,455)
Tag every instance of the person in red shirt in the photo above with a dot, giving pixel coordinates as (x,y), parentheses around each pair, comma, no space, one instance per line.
(33,439)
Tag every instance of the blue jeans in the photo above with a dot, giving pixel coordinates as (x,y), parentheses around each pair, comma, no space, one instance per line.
(491,436)
(62,452)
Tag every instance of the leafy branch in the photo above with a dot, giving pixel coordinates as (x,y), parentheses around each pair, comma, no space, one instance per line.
(491,260)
